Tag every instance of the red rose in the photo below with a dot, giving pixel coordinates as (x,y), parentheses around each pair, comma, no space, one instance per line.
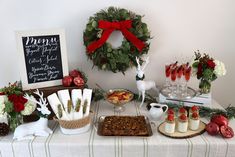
(18,102)
(199,70)
(211,64)
(12,98)
(18,106)
(2,93)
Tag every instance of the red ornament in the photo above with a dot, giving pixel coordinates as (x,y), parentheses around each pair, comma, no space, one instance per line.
(219,120)
(226,131)
(67,81)
(212,128)
(78,81)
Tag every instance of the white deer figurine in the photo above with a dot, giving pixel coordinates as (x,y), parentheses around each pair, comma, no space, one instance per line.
(37,128)
(141,84)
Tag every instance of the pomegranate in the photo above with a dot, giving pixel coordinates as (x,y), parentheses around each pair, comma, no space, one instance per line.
(67,81)
(75,73)
(219,120)
(212,128)
(78,81)
(226,131)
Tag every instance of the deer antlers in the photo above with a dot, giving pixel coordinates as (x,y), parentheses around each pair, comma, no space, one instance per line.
(42,101)
(138,63)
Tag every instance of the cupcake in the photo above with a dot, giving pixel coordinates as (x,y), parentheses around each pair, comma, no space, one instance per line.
(182,111)
(170,124)
(194,121)
(182,123)
(193,109)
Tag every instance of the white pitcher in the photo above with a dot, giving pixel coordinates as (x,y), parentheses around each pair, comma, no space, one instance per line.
(156,110)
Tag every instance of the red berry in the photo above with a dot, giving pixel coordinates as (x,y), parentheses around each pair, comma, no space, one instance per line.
(75,73)
(195,115)
(212,128)
(67,81)
(219,120)
(182,110)
(194,108)
(170,111)
(226,131)
(170,117)
(78,81)
(183,117)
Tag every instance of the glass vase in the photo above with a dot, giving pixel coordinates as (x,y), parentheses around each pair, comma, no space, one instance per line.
(205,86)
(15,120)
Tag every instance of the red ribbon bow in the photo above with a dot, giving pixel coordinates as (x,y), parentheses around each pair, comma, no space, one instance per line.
(109,27)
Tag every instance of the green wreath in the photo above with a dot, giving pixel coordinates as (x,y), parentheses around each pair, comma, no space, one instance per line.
(123,57)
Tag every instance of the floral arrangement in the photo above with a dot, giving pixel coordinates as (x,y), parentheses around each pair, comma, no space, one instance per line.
(135,43)
(207,70)
(14,105)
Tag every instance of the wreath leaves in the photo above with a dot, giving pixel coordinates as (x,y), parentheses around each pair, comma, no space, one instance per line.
(123,57)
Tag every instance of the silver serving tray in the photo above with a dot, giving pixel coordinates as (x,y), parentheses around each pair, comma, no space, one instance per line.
(191,94)
(99,126)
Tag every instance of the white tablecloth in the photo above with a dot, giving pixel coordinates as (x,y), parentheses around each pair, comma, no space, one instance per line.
(90,144)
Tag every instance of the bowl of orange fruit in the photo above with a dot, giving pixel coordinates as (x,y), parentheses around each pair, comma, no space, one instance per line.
(119,97)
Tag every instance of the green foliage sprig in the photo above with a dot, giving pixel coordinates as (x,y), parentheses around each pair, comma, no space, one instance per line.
(204,111)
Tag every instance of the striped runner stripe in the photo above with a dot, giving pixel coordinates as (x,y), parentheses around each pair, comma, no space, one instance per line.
(47,144)
(92,135)
(0,150)
(31,146)
(226,154)
(89,141)
(145,140)
(13,152)
(207,145)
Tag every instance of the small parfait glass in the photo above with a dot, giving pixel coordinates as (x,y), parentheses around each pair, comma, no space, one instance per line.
(187,75)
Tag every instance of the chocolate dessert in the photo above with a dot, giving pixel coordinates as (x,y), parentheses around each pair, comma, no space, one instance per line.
(124,126)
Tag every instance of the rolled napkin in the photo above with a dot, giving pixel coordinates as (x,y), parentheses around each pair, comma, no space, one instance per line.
(77,103)
(87,94)
(64,98)
(57,107)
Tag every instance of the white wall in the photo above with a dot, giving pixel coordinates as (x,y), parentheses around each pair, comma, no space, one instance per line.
(178,26)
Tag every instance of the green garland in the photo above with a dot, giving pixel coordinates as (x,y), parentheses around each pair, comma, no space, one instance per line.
(206,112)
(120,59)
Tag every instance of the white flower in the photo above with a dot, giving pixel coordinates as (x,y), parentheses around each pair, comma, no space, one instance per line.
(3,98)
(2,107)
(219,68)
(29,107)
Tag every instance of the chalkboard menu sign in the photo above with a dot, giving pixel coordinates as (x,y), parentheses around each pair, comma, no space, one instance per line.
(44,60)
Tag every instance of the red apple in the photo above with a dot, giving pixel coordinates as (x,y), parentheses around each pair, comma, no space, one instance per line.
(212,128)
(219,120)
(67,81)
(78,81)
(75,73)
(226,131)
